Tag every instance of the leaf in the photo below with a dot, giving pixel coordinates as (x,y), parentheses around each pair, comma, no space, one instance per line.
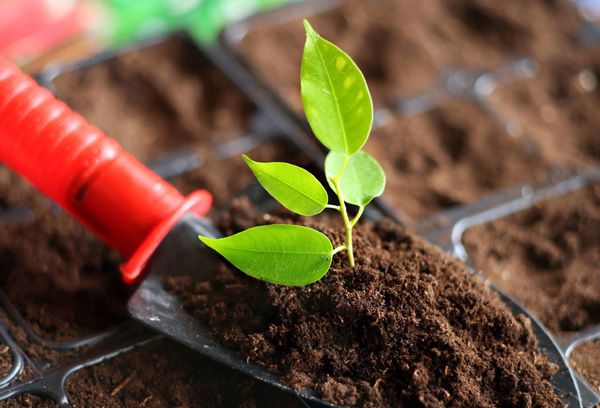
(362,179)
(295,188)
(335,96)
(283,254)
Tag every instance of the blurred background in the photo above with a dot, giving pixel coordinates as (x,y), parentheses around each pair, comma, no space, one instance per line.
(36,32)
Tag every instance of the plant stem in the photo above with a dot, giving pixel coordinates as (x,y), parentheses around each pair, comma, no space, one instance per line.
(333,207)
(347,224)
(359,213)
(339,249)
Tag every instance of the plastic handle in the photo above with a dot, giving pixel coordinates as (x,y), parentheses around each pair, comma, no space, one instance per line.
(88,174)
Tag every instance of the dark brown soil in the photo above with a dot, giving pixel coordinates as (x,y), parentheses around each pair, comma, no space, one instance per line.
(226,178)
(559,107)
(178,378)
(161,97)
(451,155)
(62,279)
(153,100)
(157,98)
(35,351)
(584,360)
(14,190)
(408,326)
(29,401)
(168,95)
(547,257)
(402,45)
(162,374)
(5,360)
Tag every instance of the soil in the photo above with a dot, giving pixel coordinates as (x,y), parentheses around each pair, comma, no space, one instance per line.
(402,45)
(5,360)
(178,378)
(165,96)
(409,326)
(226,178)
(548,258)
(58,276)
(157,98)
(153,100)
(584,359)
(558,108)
(13,189)
(449,156)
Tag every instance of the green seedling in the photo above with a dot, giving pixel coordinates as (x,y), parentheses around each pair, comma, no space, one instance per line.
(338,107)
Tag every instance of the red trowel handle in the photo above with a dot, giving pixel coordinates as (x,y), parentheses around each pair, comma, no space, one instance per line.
(87,173)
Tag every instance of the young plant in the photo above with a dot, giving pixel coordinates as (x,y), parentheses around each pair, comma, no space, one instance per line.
(338,107)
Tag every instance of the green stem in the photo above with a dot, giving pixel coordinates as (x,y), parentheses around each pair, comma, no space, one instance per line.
(358,215)
(347,223)
(339,249)
(333,207)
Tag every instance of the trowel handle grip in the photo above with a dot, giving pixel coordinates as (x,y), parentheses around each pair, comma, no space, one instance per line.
(87,173)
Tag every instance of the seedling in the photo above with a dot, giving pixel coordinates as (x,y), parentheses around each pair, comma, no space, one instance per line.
(338,107)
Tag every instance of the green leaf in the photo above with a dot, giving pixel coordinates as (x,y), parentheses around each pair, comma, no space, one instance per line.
(295,188)
(335,96)
(362,178)
(283,254)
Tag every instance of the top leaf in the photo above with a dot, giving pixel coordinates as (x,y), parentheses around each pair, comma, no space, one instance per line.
(335,96)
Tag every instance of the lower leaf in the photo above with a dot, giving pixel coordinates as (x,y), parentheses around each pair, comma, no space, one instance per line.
(282,254)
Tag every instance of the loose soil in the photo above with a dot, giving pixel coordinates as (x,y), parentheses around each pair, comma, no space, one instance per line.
(548,258)
(13,189)
(449,156)
(166,96)
(558,108)
(5,360)
(402,45)
(61,278)
(178,377)
(409,326)
(584,359)
(157,98)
